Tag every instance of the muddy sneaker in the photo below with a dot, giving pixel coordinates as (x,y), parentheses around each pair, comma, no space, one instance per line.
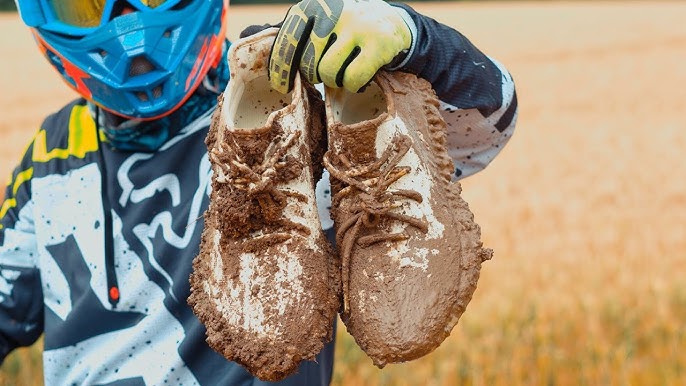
(264,282)
(410,249)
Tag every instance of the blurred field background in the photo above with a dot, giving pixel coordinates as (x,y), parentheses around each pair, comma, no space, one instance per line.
(585,208)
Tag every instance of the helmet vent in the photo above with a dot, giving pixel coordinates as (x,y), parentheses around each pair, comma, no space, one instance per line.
(140,65)
(146,96)
(143,97)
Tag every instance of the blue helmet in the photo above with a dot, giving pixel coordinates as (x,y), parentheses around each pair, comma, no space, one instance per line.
(138,58)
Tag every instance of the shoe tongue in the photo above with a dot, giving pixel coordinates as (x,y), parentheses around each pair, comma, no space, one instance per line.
(252,143)
(357,142)
(358,117)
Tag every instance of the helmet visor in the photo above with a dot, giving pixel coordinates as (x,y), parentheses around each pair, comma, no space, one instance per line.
(78,13)
(90,13)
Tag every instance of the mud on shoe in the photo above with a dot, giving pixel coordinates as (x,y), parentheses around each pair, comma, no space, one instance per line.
(410,249)
(264,282)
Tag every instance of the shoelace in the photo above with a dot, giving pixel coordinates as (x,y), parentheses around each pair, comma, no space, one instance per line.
(375,201)
(257,181)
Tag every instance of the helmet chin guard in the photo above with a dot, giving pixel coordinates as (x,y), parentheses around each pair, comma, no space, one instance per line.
(142,64)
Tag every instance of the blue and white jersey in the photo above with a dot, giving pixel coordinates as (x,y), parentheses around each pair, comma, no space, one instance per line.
(72,197)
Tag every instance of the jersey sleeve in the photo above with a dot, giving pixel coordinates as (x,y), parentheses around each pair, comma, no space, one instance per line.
(21,294)
(477,93)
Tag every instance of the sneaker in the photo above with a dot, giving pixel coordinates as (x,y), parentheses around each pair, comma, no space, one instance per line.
(264,282)
(410,249)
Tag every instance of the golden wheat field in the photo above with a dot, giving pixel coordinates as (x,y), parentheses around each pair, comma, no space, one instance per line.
(585,208)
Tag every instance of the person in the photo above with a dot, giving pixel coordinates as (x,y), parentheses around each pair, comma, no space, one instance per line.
(103,214)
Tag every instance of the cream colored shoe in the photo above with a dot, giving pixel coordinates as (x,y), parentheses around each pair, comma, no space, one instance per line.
(265,281)
(411,251)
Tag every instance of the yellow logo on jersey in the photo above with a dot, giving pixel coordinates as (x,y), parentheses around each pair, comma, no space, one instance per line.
(81,140)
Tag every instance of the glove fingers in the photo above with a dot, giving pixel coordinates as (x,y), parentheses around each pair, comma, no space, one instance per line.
(324,40)
(361,70)
(287,50)
(335,60)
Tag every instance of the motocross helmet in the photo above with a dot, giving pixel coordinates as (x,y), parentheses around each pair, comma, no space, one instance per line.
(139,59)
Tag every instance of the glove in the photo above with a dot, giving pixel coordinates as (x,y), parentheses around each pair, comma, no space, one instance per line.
(342,43)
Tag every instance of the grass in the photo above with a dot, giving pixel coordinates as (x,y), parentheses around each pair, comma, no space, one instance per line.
(634,339)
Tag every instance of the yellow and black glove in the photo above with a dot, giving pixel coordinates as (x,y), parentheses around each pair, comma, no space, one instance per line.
(342,43)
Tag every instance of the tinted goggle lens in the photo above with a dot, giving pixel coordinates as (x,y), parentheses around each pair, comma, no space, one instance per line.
(89,13)
(79,13)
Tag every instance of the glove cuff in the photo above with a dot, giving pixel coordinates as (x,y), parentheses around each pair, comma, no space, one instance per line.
(404,56)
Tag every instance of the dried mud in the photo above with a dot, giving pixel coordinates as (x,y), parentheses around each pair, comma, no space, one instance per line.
(411,251)
(264,284)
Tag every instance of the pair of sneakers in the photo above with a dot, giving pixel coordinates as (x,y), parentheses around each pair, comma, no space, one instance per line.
(267,284)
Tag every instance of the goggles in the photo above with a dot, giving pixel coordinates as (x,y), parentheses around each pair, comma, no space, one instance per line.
(80,17)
